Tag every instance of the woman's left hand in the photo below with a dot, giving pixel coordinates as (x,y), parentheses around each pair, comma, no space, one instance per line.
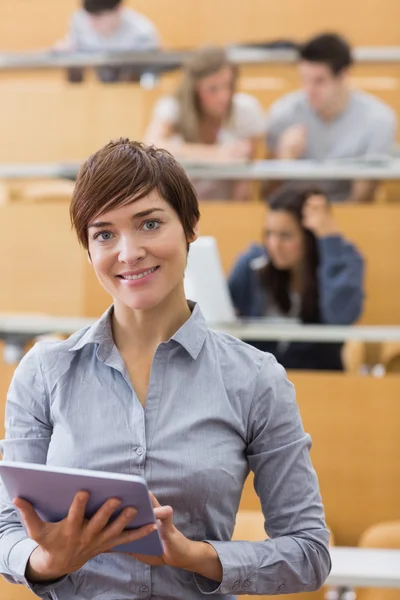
(318,218)
(179,551)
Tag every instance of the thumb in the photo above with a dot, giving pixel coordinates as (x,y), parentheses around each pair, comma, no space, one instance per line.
(164,514)
(33,523)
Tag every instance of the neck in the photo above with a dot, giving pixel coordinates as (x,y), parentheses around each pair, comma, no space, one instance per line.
(211,121)
(296,279)
(337,106)
(144,330)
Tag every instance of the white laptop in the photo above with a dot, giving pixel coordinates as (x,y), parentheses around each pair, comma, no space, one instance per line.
(205,281)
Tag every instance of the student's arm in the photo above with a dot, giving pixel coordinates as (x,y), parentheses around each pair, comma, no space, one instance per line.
(148,38)
(295,558)
(340,278)
(70,42)
(161,132)
(240,285)
(341,267)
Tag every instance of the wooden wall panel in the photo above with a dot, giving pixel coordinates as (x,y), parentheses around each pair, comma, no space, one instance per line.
(25,24)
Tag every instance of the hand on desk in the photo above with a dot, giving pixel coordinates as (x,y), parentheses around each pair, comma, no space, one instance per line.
(179,551)
(292,143)
(64,547)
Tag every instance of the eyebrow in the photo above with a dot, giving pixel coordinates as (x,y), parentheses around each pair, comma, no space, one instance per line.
(139,215)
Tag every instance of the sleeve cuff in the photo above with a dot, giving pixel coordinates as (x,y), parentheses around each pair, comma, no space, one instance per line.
(17,562)
(240,564)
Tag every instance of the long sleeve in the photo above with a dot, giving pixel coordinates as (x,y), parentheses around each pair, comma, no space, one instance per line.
(239,283)
(28,434)
(245,292)
(295,558)
(340,276)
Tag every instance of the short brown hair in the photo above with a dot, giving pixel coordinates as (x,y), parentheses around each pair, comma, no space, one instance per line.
(124,171)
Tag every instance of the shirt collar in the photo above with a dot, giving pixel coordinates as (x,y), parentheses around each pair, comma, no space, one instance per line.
(191,336)
(193,332)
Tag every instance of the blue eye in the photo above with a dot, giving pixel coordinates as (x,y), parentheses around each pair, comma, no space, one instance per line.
(151,225)
(103,236)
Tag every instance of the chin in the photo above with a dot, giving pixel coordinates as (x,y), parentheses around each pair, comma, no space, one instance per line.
(282,266)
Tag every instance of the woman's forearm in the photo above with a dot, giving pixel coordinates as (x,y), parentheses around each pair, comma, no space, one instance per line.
(205,561)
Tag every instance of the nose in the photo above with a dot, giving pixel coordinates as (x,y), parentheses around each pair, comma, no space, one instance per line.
(274,244)
(224,96)
(130,250)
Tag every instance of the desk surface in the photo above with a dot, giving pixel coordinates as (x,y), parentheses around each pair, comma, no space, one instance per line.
(381,169)
(28,326)
(164,60)
(362,567)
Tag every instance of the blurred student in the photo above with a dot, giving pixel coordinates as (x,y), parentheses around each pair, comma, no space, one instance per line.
(327,119)
(109,26)
(207,120)
(304,269)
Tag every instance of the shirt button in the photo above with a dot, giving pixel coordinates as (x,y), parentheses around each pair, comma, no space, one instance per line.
(281,587)
(144,589)
(246,584)
(140,451)
(236,585)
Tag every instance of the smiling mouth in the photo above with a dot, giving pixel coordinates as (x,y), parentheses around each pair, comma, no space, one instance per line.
(139,275)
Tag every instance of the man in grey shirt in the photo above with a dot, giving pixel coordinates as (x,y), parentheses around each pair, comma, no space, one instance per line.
(329,120)
(108,26)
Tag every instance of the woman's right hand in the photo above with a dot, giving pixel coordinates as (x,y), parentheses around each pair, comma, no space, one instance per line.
(64,547)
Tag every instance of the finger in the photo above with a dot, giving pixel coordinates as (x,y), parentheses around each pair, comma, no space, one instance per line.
(120,523)
(130,536)
(164,516)
(154,500)
(76,513)
(33,523)
(102,516)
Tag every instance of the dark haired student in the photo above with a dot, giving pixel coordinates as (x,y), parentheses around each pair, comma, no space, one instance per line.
(329,119)
(304,269)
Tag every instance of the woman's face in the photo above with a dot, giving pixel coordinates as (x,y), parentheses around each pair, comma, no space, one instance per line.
(283,239)
(215,92)
(139,252)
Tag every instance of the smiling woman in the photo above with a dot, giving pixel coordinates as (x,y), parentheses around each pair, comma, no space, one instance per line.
(150,390)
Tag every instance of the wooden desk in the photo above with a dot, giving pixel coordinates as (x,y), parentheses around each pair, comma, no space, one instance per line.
(362,567)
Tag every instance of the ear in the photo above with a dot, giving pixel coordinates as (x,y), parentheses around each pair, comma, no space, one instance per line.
(344,75)
(196,233)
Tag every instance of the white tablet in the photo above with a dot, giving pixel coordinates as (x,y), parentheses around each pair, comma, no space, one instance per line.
(51,490)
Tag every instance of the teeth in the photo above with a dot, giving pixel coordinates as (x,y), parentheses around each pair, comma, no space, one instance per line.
(140,274)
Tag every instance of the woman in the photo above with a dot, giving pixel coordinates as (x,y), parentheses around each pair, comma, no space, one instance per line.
(149,390)
(208,121)
(304,270)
